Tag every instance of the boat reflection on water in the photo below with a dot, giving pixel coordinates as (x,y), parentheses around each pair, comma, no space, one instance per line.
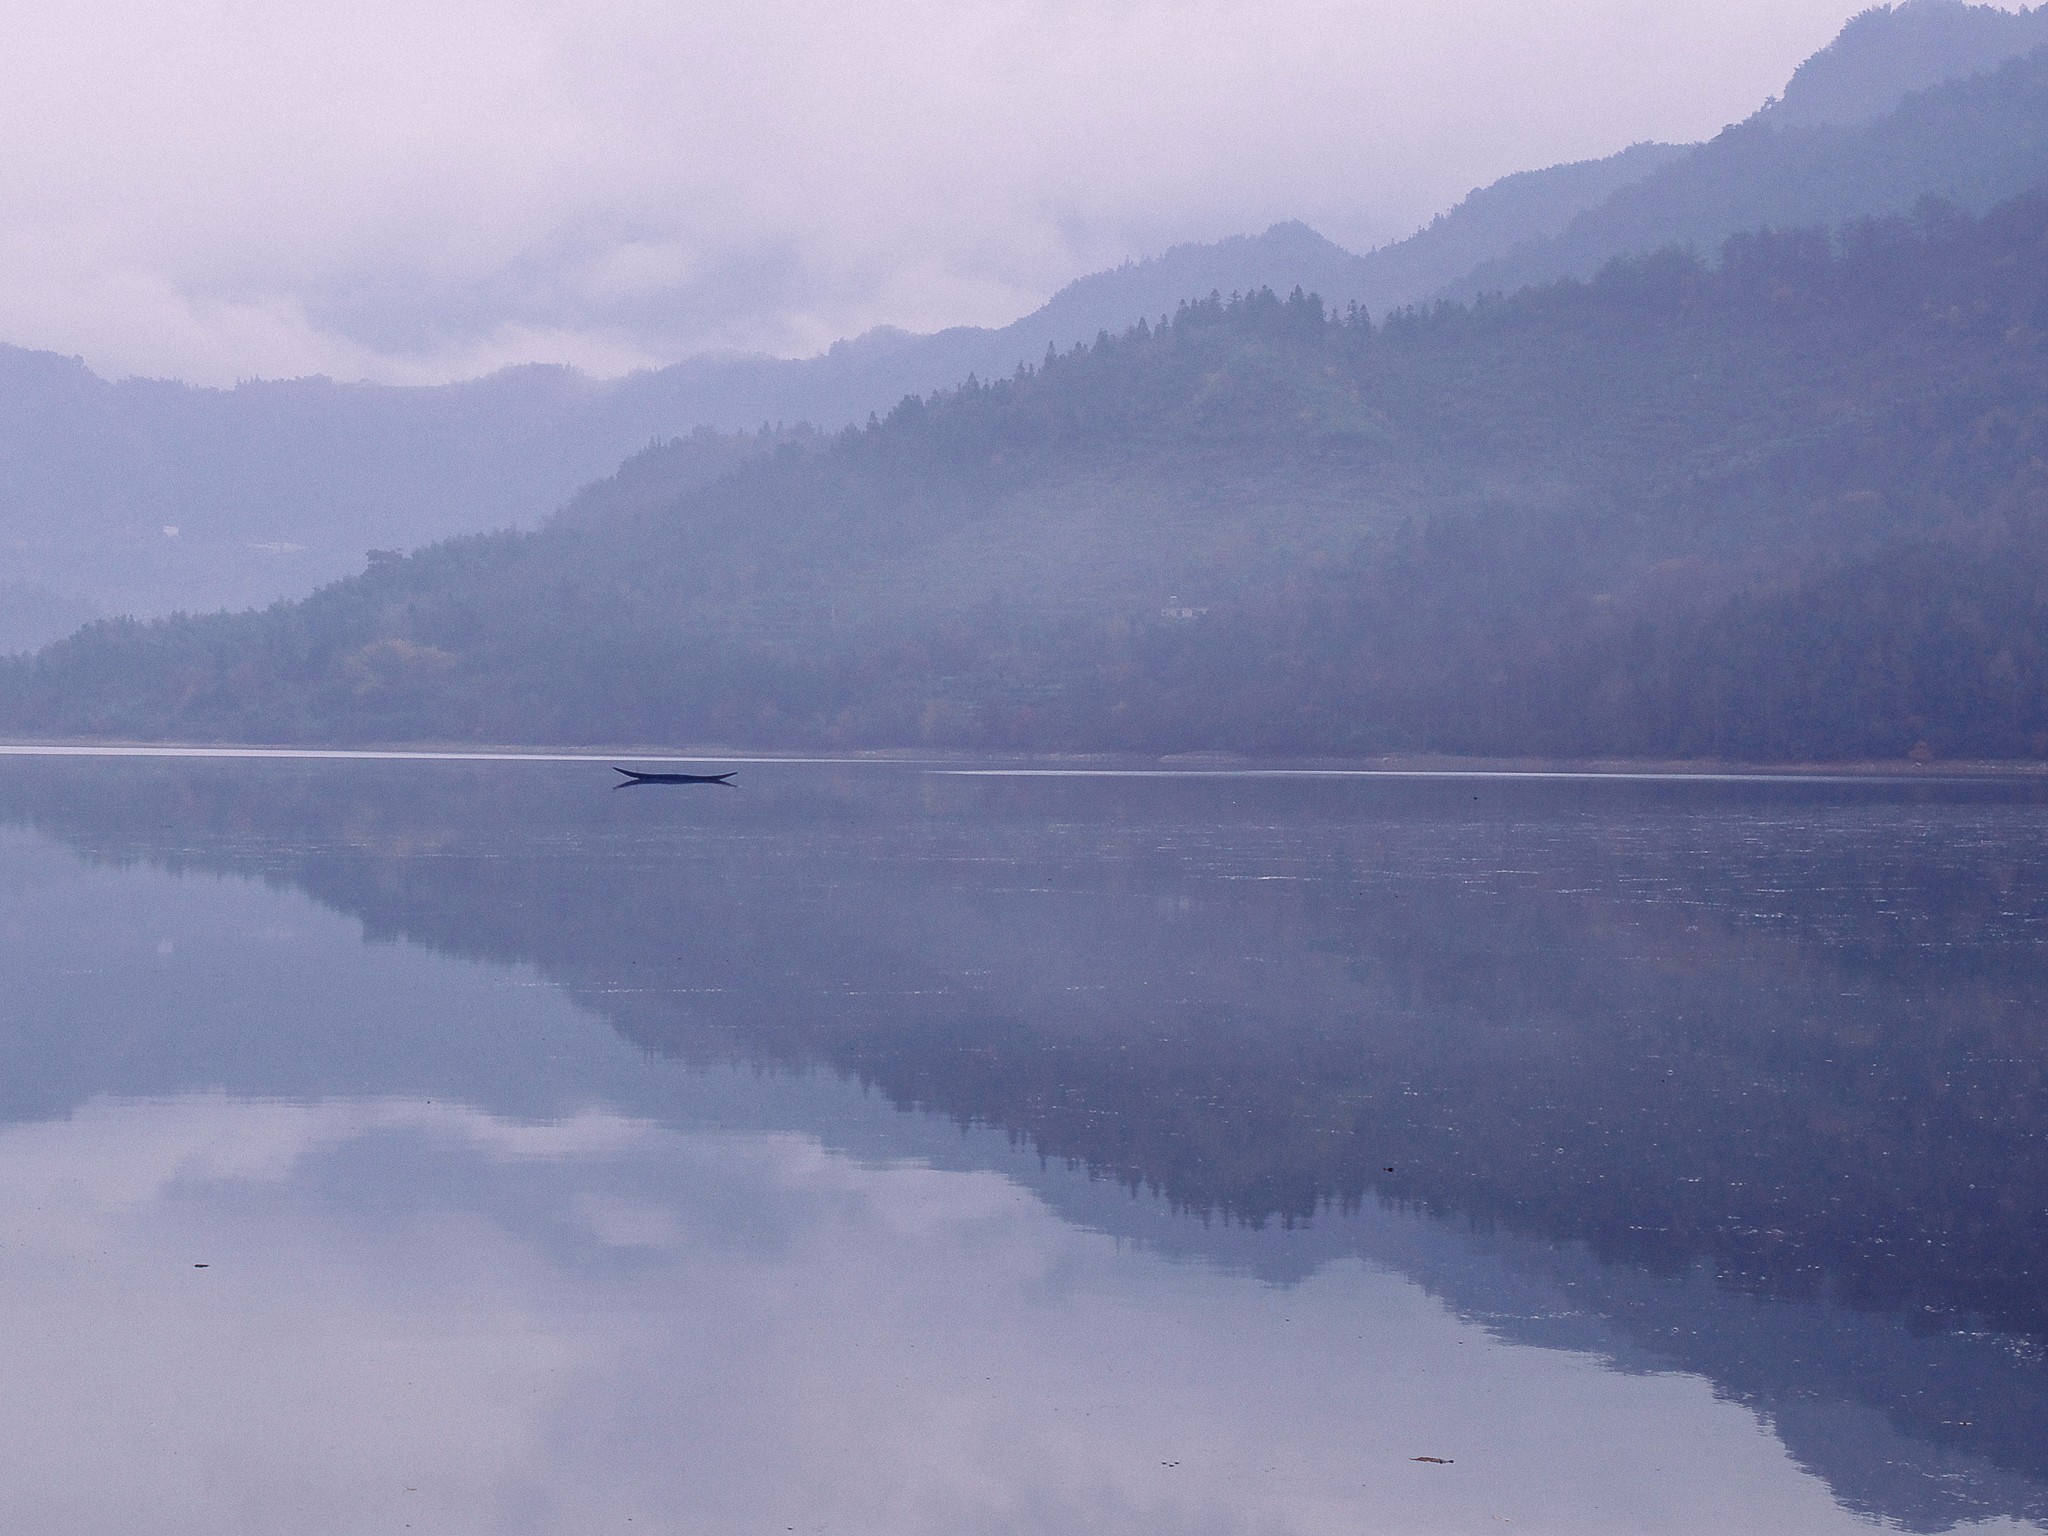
(1728,1099)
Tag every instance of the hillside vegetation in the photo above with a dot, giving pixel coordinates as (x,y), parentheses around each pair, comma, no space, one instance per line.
(1974,141)
(1890,51)
(1786,507)
(143,496)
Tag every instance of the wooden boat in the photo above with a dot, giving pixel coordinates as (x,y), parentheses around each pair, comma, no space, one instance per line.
(671,778)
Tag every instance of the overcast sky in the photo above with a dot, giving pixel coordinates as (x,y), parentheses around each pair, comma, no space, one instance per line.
(426,189)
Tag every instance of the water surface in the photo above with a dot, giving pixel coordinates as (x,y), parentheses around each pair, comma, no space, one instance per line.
(466,1146)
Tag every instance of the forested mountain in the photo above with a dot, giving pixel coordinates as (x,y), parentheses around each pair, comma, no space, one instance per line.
(1974,141)
(1888,52)
(1490,224)
(144,496)
(1787,506)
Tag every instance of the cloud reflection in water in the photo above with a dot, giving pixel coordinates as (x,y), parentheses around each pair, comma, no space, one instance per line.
(425,1313)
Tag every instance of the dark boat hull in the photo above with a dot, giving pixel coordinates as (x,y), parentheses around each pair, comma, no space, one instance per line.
(671,778)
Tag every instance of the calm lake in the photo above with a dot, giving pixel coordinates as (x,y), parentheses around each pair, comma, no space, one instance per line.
(461,1146)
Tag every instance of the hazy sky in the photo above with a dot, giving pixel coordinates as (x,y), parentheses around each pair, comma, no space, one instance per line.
(424,189)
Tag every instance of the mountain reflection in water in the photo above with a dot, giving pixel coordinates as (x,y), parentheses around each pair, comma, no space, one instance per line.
(1741,1080)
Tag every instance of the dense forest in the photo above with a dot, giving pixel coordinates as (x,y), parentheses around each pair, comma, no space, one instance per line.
(1786,505)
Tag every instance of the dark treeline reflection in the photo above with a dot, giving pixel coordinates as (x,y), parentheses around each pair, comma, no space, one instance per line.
(1788,1035)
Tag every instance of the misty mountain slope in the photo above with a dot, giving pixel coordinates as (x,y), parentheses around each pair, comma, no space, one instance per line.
(1534,226)
(1889,52)
(1144,290)
(146,497)
(30,615)
(1974,142)
(874,371)
(1490,222)
(1542,524)
(1190,463)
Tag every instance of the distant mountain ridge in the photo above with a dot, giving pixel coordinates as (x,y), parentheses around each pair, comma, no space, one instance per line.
(1786,506)
(146,497)
(1888,52)
(1973,142)
(276,486)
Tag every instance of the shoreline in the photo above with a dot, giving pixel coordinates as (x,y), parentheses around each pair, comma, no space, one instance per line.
(1177,764)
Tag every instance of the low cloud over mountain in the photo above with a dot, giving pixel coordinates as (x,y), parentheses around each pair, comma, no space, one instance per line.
(433,189)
